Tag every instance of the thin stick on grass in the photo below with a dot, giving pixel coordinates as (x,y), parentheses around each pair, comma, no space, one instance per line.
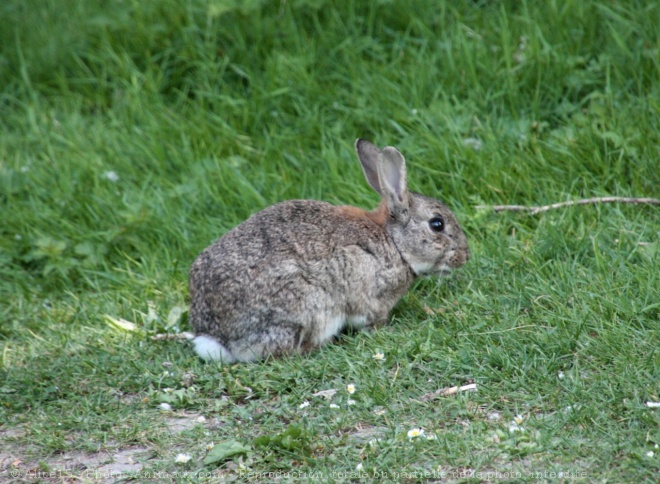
(173,336)
(585,201)
(445,392)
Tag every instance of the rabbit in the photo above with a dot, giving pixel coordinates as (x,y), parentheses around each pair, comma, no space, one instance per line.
(296,274)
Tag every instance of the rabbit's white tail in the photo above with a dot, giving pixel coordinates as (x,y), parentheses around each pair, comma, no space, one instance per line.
(208,348)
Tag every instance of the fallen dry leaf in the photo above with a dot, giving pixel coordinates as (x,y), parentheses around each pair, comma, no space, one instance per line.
(325,393)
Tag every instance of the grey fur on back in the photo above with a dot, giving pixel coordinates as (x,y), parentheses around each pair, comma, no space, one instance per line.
(292,276)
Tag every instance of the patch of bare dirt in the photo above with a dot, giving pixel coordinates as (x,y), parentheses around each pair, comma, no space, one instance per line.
(18,465)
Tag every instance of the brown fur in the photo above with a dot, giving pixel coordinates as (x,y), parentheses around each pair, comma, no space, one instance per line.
(378,216)
(296,274)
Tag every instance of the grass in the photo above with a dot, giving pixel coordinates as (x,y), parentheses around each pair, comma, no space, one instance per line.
(135,133)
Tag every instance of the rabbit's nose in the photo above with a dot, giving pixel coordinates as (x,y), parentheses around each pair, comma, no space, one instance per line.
(460,256)
(463,256)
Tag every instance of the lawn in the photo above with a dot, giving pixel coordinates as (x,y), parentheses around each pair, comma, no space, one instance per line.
(133,134)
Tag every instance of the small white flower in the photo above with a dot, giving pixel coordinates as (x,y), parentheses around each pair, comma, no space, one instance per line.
(560,375)
(350,402)
(656,446)
(304,404)
(182,458)
(111,176)
(474,143)
(650,453)
(359,467)
(165,406)
(210,446)
(415,433)
(167,390)
(350,388)
(413,112)
(334,405)
(201,419)
(515,425)
(494,416)
(379,357)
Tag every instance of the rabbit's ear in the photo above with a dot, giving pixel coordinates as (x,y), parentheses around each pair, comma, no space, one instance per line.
(368,155)
(393,182)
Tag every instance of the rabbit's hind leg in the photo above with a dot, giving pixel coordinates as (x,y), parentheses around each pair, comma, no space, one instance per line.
(275,341)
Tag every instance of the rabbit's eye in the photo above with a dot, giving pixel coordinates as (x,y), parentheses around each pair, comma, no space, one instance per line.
(437,224)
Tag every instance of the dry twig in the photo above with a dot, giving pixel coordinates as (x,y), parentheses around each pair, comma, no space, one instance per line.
(445,392)
(534,210)
(173,336)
